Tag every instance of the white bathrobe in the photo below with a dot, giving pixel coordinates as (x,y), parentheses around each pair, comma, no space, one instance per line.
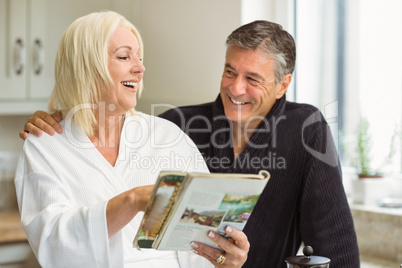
(63,185)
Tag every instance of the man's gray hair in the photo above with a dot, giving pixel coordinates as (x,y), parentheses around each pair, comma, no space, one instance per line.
(271,39)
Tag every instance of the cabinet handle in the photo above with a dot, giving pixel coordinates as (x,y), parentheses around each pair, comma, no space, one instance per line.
(38,57)
(19,56)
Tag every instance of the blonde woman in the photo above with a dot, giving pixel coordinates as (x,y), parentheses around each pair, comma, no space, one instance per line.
(81,193)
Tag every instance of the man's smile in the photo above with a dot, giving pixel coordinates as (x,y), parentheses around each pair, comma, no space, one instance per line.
(236,102)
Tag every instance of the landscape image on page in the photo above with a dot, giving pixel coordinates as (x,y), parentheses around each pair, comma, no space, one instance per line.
(239,208)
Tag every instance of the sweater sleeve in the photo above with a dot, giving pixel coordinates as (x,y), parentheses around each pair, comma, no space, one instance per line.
(326,220)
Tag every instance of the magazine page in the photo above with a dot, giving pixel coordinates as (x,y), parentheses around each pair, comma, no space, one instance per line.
(211,203)
(159,209)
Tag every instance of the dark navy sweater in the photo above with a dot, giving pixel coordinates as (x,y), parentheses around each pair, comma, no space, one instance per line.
(304,199)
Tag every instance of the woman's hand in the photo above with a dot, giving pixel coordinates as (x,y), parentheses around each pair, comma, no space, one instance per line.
(122,208)
(42,121)
(234,253)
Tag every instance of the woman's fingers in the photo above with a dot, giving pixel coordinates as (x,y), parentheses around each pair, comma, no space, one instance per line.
(239,239)
(210,253)
(141,196)
(234,249)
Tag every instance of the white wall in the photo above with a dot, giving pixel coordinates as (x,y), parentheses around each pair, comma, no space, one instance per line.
(279,11)
(10,126)
(184,49)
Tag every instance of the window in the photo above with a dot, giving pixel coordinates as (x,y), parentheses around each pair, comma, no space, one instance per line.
(350,66)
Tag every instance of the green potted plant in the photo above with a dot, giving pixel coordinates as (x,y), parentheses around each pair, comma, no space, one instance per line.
(369,185)
(363,161)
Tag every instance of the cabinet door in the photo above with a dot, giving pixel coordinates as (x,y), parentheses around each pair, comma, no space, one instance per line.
(13,47)
(49,20)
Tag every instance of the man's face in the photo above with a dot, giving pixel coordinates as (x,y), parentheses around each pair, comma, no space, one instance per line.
(248,88)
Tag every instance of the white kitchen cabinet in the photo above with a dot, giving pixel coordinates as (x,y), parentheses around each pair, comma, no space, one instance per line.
(30,31)
(13,34)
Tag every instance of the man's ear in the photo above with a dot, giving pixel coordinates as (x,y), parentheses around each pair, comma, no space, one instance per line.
(283,85)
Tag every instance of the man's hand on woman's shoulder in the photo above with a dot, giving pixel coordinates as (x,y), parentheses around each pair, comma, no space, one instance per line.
(42,121)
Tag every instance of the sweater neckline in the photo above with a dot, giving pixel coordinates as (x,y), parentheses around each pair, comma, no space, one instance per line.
(222,143)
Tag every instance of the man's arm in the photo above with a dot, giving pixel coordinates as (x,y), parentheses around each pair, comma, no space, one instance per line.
(42,121)
(325,214)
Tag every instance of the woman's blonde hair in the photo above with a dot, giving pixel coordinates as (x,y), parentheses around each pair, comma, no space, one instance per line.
(81,68)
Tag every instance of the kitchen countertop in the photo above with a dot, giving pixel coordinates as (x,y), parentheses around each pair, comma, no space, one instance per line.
(376,209)
(379,235)
(371,262)
(10,228)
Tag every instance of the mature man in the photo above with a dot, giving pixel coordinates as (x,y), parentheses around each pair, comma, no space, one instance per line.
(250,127)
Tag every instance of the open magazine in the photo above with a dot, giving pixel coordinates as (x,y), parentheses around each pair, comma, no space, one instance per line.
(184,206)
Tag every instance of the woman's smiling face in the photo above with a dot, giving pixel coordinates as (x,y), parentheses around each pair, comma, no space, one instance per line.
(126,70)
